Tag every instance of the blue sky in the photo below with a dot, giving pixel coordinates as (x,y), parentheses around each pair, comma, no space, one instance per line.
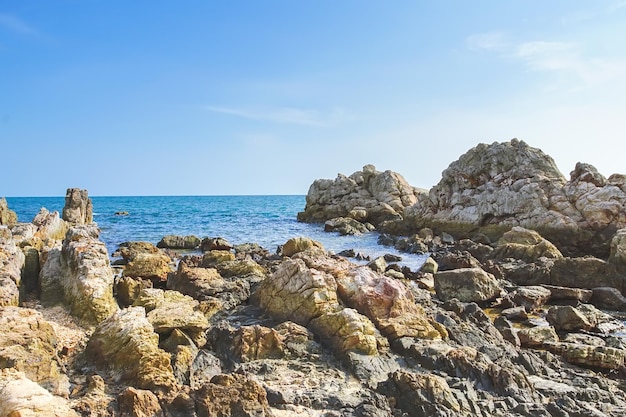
(263,97)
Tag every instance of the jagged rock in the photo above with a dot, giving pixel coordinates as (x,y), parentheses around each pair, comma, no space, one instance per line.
(29,344)
(206,283)
(7,216)
(505,327)
(179,242)
(49,225)
(21,397)
(126,345)
(429,266)
(378,265)
(492,188)
(12,261)
(515,313)
(558,293)
(593,356)
(216,243)
(243,268)
(568,318)
(139,403)
(169,310)
(301,244)
(381,196)
(466,285)
(537,336)
(346,226)
(86,275)
(214,257)
(456,260)
(586,272)
(617,254)
(309,297)
(524,244)
(531,297)
(143,260)
(96,402)
(420,394)
(608,298)
(232,395)
(128,289)
(387,302)
(78,208)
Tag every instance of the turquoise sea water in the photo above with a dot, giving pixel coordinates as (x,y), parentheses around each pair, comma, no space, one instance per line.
(267,220)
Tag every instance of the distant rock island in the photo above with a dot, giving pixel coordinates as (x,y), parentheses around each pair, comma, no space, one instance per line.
(518,309)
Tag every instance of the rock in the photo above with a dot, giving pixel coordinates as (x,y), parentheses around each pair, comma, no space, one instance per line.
(524,244)
(558,293)
(492,188)
(346,226)
(420,394)
(309,297)
(586,272)
(388,303)
(12,261)
(232,395)
(531,297)
(78,208)
(29,345)
(466,285)
(7,216)
(617,255)
(592,356)
(135,402)
(128,289)
(145,261)
(242,268)
(214,257)
(378,265)
(379,196)
(506,329)
(429,266)
(537,336)
(301,244)
(608,298)
(456,260)
(49,225)
(568,318)
(21,397)
(217,243)
(170,310)
(179,242)
(126,345)
(515,313)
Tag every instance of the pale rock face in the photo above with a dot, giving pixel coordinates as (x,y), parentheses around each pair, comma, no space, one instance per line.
(493,188)
(366,195)
(49,225)
(78,207)
(466,285)
(7,216)
(618,249)
(20,396)
(11,264)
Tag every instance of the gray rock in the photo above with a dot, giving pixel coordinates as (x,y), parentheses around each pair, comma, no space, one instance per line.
(466,285)
(78,208)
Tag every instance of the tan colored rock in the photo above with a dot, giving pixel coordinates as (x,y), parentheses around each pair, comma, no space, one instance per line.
(7,216)
(524,244)
(301,244)
(568,318)
(179,242)
(155,267)
(139,403)
(87,277)
(592,356)
(29,344)
(215,243)
(214,257)
(387,302)
(232,395)
(49,225)
(128,289)
(537,336)
(78,208)
(617,255)
(126,345)
(466,285)
(21,397)
(12,261)
(530,297)
(420,394)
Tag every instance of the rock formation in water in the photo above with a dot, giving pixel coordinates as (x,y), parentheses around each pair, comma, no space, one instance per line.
(78,208)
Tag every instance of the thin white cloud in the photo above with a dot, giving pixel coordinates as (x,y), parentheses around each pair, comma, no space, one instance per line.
(288,115)
(16,25)
(566,60)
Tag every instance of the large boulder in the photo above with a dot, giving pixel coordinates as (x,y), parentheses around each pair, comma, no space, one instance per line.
(232,395)
(126,345)
(367,195)
(29,345)
(78,208)
(492,188)
(7,216)
(466,285)
(49,225)
(524,244)
(144,261)
(11,265)
(85,275)
(179,242)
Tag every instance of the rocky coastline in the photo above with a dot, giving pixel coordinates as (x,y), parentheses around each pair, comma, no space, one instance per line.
(518,311)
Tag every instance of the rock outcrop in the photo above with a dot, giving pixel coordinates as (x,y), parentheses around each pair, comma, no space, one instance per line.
(11,265)
(7,216)
(78,208)
(492,188)
(366,196)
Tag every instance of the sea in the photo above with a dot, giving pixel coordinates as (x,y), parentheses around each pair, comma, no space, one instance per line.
(269,220)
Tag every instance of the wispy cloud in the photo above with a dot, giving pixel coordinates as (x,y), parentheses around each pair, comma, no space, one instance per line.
(288,115)
(16,25)
(564,59)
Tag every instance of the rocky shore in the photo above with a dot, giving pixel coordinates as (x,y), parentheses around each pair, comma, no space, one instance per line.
(505,318)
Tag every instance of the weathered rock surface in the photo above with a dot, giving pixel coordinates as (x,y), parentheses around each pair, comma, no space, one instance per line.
(232,395)
(7,216)
(301,244)
(492,188)
(347,226)
(145,261)
(466,285)
(83,271)
(49,225)
(367,196)
(179,242)
(126,345)
(11,265)
(78,208)
(524,244)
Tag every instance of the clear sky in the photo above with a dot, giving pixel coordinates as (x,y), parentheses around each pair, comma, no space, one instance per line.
(262,97)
